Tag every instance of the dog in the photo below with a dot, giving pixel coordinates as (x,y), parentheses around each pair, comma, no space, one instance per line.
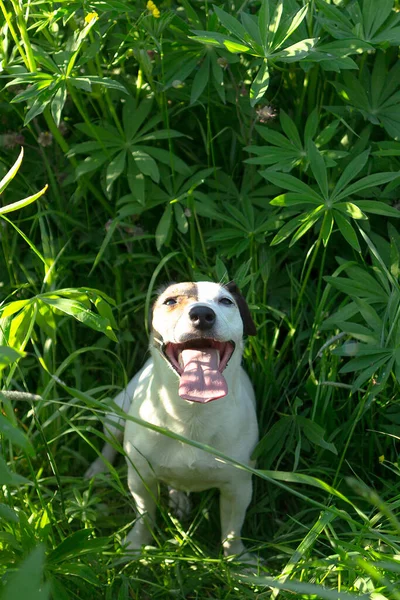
(193,385)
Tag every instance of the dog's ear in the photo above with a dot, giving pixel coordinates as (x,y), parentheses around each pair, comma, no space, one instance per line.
(249,327)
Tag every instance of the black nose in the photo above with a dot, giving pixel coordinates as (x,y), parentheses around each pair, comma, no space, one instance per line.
(202,317)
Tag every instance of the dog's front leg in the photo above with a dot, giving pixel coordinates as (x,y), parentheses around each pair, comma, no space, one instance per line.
(144,492)
(234,500)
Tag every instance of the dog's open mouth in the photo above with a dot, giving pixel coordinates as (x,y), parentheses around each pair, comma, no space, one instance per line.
(200,363)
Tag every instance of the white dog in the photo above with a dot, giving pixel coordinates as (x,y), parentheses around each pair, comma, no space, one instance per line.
(193,385)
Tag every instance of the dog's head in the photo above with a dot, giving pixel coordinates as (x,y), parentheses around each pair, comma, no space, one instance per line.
(197,328)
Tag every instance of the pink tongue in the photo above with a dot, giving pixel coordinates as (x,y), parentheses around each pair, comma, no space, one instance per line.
(201,381)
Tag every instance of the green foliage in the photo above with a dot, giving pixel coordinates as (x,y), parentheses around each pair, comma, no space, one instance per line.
(257,142)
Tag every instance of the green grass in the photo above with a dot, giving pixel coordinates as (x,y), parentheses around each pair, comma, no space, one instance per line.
(190,146)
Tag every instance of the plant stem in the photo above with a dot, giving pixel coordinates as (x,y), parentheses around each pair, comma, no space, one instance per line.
(14,34)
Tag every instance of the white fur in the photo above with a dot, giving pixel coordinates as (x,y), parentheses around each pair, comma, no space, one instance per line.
(228,424)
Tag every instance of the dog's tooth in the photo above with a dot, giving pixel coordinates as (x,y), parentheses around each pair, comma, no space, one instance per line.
(180,360)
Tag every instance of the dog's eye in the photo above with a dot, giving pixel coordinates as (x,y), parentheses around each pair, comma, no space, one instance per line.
(225,301)
(169,301)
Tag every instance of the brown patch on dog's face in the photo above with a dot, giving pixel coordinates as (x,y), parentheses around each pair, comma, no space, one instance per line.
(171,303)
(177,296)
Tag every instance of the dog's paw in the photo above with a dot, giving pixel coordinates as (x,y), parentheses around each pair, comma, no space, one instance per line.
(136,539)
(97,466)
(179,503)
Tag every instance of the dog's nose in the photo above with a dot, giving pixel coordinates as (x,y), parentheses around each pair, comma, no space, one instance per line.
(202,317)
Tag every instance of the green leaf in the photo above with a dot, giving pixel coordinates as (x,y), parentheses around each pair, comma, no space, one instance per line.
(276,20)
(76,569)
(318,168)
(107,82)
(162,134)
(293,199)
(296,51)
(163,227)
(309,219)
(273,440)
(291,183)
(273,137)
(250,23)
(33,91)
(146,164)
(351,209)
(12,307)
(180,217)
(8,355)
(369,372)
(367,182)
(326,228)
(58,102)
(8,514)
(15,435)
(134,116)
(26,582)
(350,172)
(370,315)
(263,22)
(22,203)
(12,172)
(311,126)
(115,169)
(235,47)
(77,544)
(39,104)
(136,181)
(80,83)
(294,23)
(80,313)
(200,80)
(231,24)
(347,231)
(378,208)
(210,39)
(315,434)
(260,84)
(218,77)
(168,158)
(91,163)
(107,239)
(7,477)
(290,129)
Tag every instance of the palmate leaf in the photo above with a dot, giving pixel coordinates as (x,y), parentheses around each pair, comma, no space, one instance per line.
(262,37)
(371,21)
(377,96)
(112,147)
(283,153)
(341,212)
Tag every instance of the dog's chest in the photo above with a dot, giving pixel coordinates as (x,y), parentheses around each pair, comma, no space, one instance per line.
(187,468)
